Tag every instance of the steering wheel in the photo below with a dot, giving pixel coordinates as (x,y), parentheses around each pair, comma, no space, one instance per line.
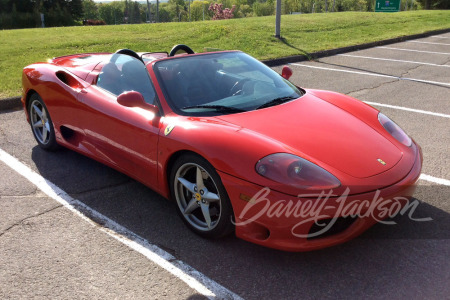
(237,87)
(126,52)
(180,47)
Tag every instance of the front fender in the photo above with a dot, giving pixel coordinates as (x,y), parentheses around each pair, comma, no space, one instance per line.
(229,148)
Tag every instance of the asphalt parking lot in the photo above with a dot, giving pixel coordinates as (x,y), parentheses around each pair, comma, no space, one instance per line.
(50,250)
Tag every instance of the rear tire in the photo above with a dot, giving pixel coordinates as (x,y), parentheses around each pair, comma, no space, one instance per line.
(41,124)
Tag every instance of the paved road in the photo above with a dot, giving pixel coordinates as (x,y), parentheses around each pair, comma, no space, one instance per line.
(48,251)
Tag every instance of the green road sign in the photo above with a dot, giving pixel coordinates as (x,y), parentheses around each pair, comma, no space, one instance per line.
(387,5)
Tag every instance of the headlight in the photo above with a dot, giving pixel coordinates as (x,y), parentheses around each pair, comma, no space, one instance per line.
(394,130)
(295,171)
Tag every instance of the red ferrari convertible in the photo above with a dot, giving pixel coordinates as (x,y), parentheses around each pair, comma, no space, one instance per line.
(235,144)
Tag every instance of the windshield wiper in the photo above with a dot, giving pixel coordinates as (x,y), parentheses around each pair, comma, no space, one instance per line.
(276,101)
(219,108)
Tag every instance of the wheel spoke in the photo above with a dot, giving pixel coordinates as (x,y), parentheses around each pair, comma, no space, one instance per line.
(192,205)
(44,134)
(211,197)
(206,214)
(38,124)
(189,185)
(47,126)
(199,179)
(38,111)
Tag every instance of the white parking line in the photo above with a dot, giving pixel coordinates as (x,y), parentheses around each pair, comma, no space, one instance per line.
(408,109)
(411,50)
(372,74)
(440,181)
(193,278)
(395,60)
(420,42)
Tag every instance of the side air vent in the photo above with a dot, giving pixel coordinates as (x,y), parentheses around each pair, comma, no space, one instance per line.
(68,80)
(71,136)
(66,132)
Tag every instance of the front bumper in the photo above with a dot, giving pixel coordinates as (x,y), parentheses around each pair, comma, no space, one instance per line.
(277,220)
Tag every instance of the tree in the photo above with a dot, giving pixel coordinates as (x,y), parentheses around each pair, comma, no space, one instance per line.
(435,4)
(220,13)
(75,7)
(136,13)
(164,14)
(263,8)
(112,13)
(58,16)
(90,10)
(177,10)
(197,10)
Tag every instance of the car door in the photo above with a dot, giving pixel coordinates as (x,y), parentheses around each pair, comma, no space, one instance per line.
(124,137)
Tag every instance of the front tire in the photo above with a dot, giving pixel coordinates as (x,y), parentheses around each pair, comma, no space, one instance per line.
(41,124)
(202,201)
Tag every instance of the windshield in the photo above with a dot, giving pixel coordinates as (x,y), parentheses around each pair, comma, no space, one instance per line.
(221,83)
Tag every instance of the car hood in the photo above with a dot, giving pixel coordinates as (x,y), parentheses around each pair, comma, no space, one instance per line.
(323,133)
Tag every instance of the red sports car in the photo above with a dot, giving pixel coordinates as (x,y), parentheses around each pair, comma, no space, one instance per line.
(235,144)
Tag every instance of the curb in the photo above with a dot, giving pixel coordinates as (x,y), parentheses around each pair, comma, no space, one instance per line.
(331,52)
(10,103)
(14,102)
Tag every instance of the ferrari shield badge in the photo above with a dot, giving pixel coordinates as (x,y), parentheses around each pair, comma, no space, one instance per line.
(169,129)
(381,161)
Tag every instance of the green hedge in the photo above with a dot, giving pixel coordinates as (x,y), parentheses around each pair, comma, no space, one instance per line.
(53,18)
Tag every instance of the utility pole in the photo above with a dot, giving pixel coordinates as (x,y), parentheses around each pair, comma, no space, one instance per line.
(157,11)
(149,14)
(278,20)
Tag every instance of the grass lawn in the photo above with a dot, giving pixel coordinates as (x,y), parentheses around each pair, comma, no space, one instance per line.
(303,33)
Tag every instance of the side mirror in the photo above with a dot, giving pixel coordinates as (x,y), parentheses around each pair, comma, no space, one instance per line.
(135,99)
(286,72)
